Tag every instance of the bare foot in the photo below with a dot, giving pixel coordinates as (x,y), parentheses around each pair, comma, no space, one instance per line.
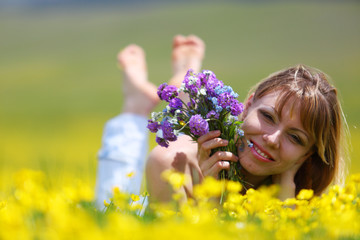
(140,94)
(188,52)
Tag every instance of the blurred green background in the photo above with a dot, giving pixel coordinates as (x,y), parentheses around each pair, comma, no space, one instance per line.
(59,81)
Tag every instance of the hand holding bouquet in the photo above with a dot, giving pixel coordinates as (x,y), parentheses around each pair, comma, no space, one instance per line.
(212,106)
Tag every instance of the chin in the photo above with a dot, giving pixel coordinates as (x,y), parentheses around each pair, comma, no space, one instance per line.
(254,169)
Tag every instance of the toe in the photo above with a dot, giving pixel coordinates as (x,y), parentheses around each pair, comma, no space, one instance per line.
(178,40)
(193,39)
(131,55)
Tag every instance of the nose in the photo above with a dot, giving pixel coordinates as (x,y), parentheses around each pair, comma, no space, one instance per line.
(272,139)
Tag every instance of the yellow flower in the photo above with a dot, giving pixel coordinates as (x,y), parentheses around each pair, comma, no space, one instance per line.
(130,174)
(106,204)
(135,198)
(176,179)
(305,194)
(210,187)
(234,187)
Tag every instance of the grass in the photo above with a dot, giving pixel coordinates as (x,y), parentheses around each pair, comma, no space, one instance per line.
(60,82)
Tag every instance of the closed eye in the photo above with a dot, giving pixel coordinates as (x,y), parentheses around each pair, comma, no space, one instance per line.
(267,116)
(295,138)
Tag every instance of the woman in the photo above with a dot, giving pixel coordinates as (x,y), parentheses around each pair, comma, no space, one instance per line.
(293,122)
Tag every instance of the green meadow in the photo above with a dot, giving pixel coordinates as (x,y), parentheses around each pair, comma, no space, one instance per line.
(59,81)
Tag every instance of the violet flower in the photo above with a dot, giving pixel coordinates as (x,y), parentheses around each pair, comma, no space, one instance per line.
(167,131)
(153,126)
(160,89)
(175,103)
(198,125)
(225,100)
(162,142)
(236,107)
(167,92)
(212,114)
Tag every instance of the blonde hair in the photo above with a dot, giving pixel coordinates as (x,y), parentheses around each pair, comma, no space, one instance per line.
(321,116)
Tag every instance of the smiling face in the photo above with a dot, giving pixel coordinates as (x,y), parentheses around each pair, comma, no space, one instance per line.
(279,139)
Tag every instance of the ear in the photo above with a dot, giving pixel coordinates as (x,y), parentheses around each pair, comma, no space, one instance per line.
(249,100)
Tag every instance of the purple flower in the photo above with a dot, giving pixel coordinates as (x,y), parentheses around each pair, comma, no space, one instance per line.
(192,82)
(153,126)
(160,89)
(169,92)
(198,126)
(162,142)
(168,132)
(213,84)
(203,78)
(175,103)
(212,114)
(225,99)
(236,107)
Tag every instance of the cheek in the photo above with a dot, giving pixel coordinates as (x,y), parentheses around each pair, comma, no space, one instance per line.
(250,124)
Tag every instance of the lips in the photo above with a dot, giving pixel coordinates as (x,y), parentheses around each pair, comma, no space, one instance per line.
(260,153)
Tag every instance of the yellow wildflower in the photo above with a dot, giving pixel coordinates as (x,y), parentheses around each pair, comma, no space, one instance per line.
(234,187)
(135,198)
(305,194)
(130,174)
(176,179)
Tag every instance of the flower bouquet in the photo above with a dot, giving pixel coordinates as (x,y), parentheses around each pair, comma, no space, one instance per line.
(211,106)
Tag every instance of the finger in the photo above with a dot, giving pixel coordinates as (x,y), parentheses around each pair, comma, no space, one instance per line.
(208,136)
(204,149)
(216,157)
(213,143)
(216,168)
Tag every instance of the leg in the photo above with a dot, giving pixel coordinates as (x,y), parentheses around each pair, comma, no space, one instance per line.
(188,52)
(125,139)
(140,95)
